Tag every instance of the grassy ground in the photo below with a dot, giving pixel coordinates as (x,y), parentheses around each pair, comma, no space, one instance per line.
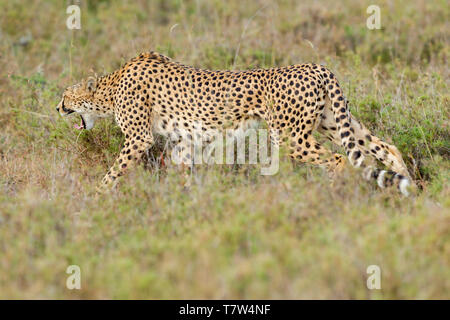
(234,234)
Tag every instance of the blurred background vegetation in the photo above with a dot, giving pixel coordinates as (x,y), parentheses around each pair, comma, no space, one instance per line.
(235,234)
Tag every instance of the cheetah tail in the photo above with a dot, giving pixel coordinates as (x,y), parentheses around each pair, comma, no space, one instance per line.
(341,113)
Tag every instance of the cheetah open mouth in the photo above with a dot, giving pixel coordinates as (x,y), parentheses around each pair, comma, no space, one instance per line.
(80,126)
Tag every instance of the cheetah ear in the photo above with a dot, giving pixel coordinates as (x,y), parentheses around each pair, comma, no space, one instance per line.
(91,84)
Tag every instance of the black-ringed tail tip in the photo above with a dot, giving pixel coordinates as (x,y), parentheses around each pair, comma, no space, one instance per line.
(385,178)
(388,178)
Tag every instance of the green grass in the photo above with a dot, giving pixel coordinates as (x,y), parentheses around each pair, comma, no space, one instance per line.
(234,233)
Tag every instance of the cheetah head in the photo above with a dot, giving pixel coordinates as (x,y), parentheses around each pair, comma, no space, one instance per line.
(84,100)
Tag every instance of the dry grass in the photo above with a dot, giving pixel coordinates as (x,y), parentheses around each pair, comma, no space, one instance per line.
(234,234)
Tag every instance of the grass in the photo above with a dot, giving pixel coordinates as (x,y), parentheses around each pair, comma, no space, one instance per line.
(234,234)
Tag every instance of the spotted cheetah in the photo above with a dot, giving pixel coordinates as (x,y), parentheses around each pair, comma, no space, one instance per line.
(154,94)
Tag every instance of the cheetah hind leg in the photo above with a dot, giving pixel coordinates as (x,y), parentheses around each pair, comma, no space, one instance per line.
(310,151)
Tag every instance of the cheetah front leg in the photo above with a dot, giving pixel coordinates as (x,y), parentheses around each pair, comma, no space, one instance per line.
(135,124)
(129,156)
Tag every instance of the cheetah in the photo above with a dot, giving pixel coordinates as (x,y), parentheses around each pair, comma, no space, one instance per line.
(152,94)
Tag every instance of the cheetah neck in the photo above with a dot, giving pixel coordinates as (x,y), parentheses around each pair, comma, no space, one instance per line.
(106,89)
